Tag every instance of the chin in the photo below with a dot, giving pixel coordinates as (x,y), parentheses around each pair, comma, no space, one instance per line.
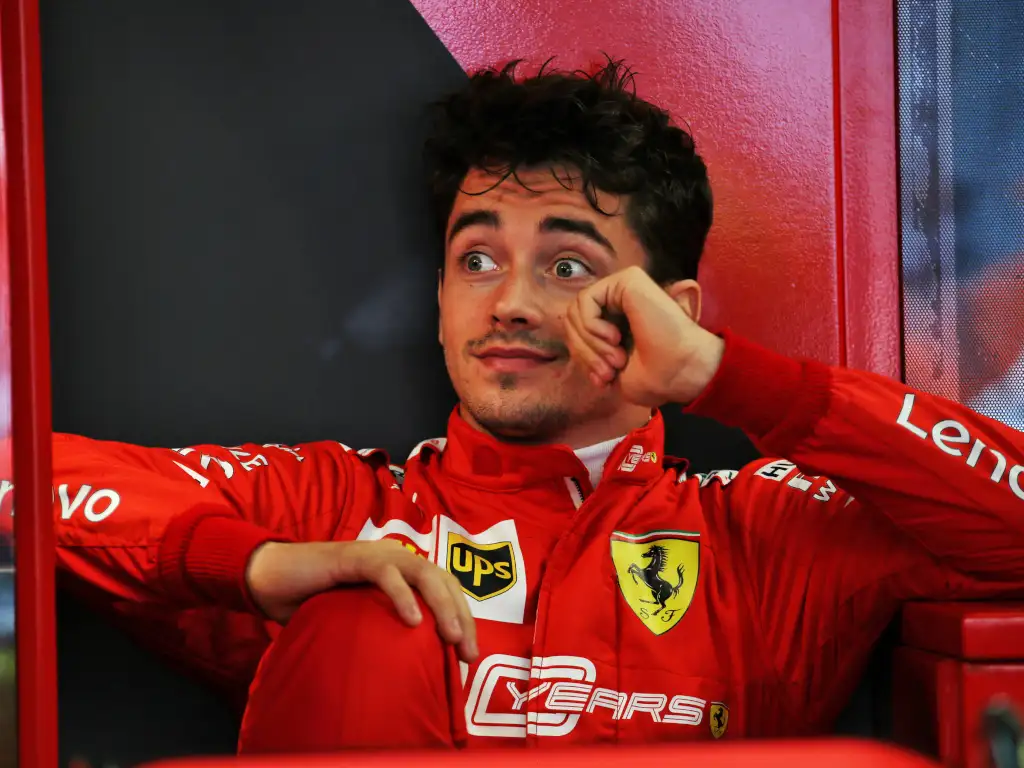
(528,420)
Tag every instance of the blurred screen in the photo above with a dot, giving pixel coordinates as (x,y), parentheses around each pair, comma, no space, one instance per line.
(961,126)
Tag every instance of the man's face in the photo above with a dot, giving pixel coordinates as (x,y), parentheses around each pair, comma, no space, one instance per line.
(515,258)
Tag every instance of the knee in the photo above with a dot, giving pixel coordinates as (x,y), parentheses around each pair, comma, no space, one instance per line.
(342,672)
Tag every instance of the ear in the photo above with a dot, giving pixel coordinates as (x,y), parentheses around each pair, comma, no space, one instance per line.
(440,287)
(687,294)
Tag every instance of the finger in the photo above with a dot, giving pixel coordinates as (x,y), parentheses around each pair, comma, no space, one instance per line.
(600,334)
(615,355)
(594,320)
(430,582)
(393,584)
(585,351)
(589,303)
(468,649)
(595,317)
(588,355)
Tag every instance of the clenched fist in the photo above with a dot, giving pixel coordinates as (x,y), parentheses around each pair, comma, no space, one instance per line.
(282,576)
(672,358)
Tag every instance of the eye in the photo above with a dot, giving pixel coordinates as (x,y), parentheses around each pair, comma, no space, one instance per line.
(475,261)
(570,268)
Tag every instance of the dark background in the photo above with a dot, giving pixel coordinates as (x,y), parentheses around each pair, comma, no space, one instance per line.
(239,251)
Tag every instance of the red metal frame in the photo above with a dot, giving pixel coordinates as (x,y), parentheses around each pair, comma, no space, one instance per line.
(867,190)
(30,384)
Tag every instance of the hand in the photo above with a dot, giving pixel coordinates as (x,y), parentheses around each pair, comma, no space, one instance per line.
(672,360)
(282,576)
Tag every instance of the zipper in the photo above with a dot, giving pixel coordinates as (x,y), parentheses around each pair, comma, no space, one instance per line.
(539,627)
(575,491)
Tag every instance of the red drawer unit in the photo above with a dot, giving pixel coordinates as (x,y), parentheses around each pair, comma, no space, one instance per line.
(956,659)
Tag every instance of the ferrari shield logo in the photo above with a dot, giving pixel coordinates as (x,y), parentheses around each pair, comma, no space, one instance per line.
(483,570)
(657,574)
(719,719)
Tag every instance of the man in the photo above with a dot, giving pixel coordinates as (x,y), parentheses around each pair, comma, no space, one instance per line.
(544,574)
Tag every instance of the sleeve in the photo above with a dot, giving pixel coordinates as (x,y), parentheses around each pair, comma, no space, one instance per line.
(177,527)
(883,494)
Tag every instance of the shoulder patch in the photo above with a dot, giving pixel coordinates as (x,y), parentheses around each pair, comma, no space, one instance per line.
(776,470)
(722,476)
(787,474)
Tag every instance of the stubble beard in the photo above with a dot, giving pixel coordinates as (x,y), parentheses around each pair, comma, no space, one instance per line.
(518,419)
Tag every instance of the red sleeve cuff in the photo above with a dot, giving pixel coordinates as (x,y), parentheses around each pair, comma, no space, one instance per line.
(773,398)
(204,555)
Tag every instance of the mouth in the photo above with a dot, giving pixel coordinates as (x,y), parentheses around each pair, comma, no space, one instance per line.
(513,359)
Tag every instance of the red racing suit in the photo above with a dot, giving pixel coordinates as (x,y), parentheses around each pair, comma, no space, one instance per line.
(658,606)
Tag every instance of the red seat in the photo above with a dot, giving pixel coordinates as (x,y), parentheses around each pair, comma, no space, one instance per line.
(956,659)
(835,753)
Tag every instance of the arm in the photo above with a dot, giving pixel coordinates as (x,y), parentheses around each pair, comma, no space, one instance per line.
(256,529)
(946,477)
(936,510)
(178,528)
(929,463)
(939,508)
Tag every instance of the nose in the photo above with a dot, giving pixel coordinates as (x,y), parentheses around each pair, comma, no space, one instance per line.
(517,303)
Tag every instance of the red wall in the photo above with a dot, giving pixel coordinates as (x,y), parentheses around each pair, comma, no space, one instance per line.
(791,104)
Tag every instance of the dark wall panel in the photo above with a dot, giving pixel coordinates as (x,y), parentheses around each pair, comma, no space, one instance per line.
(237,237)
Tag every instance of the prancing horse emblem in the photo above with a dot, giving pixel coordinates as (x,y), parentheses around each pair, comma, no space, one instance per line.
(650,575)
(657,574)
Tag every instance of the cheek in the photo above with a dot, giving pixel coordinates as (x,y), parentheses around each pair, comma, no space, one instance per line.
(460,320)
(561,296)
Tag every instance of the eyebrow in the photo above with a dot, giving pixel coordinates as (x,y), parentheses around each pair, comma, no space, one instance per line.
(492,220)
(473,219)
(576,227)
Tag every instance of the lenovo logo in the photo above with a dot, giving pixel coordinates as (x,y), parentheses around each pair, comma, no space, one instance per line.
(948,434)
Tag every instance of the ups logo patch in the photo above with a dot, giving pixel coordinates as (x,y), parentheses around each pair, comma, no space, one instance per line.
(483,570)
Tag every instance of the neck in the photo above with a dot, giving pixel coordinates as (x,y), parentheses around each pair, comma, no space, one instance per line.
(590,432)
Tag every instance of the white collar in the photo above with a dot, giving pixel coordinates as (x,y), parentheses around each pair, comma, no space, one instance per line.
(595,456)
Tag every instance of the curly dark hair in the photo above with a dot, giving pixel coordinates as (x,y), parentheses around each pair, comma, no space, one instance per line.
(593,123)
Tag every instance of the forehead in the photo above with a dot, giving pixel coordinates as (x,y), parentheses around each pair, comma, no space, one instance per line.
(536,189)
